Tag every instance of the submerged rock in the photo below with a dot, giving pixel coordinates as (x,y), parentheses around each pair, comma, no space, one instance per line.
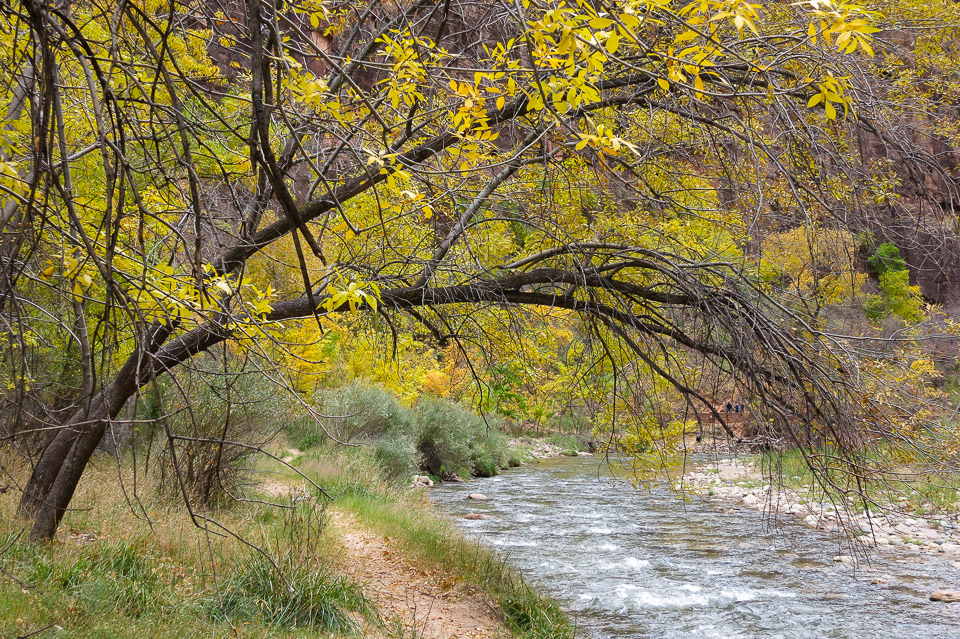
(477,496)
(947,596)
(483,516)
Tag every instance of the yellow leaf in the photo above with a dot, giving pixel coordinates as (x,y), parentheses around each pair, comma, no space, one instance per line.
(664,83)
(613,43)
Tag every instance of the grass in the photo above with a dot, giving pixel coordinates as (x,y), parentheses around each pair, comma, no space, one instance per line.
(111,574)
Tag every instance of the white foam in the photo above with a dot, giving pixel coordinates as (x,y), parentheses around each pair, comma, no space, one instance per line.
(633,562)
(692,595)
(601,531)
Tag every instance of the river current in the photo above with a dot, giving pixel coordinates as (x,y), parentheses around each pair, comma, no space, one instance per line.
(625,562)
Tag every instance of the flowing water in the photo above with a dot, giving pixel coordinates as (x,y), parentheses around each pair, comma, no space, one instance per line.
(641,563)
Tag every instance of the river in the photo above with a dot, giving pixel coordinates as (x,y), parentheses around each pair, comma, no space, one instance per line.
(625,562)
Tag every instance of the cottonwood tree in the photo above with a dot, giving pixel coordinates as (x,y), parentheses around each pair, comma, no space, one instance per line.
(180,174)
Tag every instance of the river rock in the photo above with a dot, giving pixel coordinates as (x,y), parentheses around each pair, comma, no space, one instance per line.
(482,516)
(750,500)
(477,496)
(947,596)
(421,481)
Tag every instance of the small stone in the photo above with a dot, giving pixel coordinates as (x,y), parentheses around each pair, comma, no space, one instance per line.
(483,516)
(879,580)
(477,496)
(843,559)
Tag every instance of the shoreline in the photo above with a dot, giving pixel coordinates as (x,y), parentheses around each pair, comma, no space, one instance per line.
(738,481)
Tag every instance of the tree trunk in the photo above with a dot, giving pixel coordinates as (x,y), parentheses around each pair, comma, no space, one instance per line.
(55,477)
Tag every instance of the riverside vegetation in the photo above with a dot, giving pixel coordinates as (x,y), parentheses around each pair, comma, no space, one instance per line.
(130,560)
(920,515)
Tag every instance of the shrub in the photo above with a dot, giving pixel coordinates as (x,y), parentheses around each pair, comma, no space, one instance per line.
(360,412)
(212,412)
(397,454)
(456,441)
(444,431)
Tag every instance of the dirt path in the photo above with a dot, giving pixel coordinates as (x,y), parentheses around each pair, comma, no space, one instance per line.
(426,605)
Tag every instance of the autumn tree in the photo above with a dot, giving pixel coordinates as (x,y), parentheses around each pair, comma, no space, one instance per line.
(176,175)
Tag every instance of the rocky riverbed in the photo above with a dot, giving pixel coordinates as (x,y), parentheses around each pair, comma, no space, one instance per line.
(892,530)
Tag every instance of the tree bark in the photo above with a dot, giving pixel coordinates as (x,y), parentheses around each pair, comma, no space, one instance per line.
(56,475)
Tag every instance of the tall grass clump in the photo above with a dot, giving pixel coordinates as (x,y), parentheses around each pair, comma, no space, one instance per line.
(290,592)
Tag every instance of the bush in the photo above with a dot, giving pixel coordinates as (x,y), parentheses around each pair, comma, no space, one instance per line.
(397,454)
(456,441)
(212,412)
(359,412)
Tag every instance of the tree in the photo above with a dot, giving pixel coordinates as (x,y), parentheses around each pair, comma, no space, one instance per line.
(177,175)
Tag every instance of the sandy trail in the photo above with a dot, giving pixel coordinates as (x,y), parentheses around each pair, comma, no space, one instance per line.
(426,605)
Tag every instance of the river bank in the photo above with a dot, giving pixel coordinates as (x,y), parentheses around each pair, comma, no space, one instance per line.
(375,560)
(738,480)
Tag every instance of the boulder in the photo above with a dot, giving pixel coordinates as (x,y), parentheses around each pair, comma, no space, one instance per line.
(948,596)
(477,496)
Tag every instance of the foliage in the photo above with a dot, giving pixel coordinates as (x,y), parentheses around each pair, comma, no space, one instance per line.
(897,297)
(624,211)
(217,420)
(886,258)
(455,441)
(362,412)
